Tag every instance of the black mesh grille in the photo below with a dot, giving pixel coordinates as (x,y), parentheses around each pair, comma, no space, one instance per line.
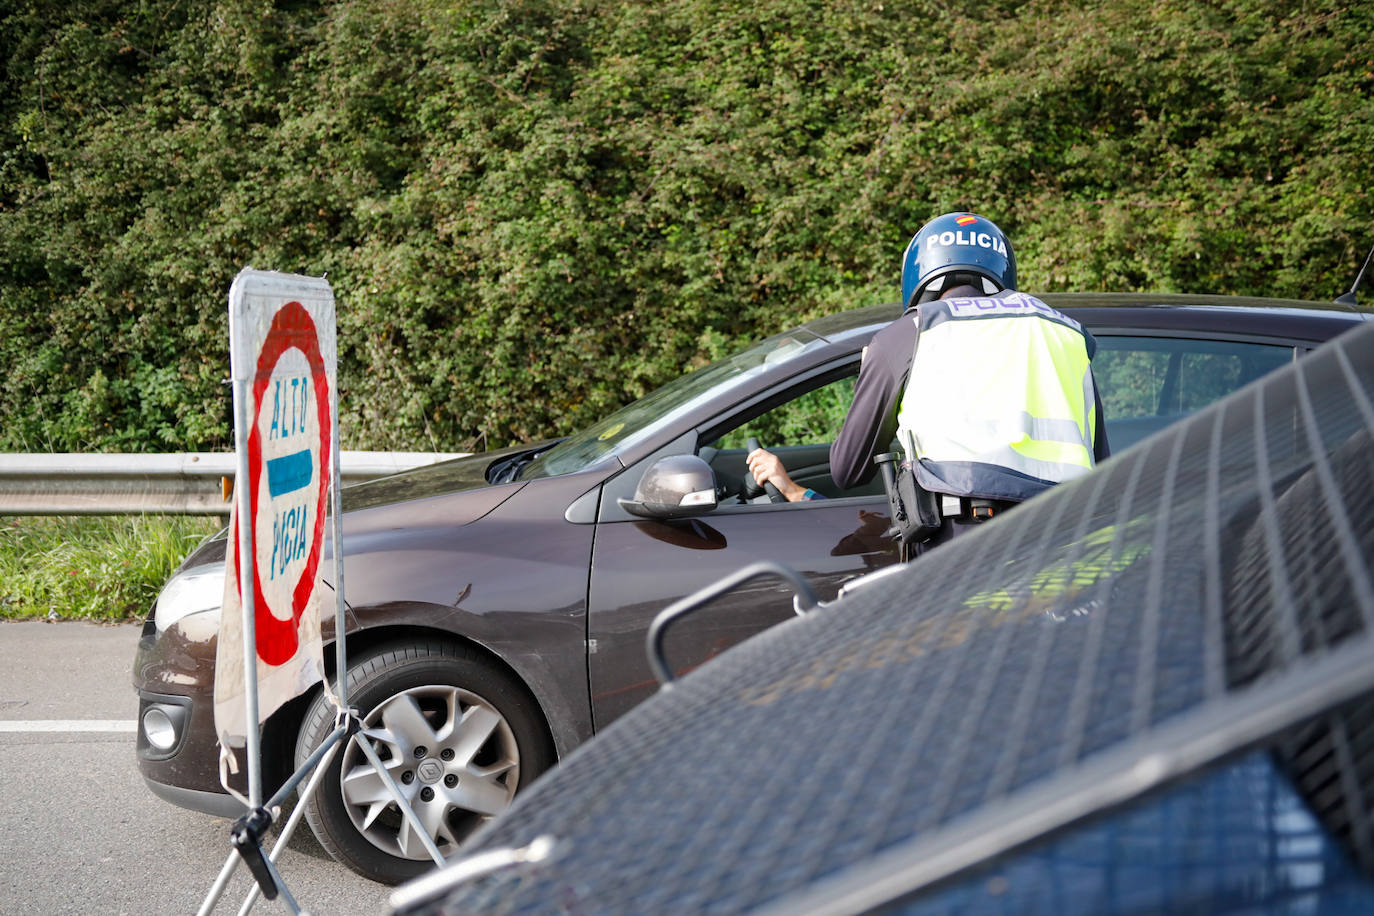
(1203,593)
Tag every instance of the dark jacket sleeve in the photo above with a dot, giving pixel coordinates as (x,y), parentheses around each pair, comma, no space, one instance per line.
(872,419)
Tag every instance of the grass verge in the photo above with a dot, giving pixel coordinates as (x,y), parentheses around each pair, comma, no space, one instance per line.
(101,568)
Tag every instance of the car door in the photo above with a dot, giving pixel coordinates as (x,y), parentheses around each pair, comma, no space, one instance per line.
(640,566)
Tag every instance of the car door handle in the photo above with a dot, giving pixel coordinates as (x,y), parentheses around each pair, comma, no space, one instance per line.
(804,599)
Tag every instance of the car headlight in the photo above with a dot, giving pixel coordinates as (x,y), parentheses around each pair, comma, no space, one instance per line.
(191,591)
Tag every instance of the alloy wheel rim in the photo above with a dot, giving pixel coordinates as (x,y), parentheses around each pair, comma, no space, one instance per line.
(452,755)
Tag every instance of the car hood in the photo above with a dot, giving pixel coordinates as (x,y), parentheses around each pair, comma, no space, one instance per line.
(430,480)
(412,494)
(449,494)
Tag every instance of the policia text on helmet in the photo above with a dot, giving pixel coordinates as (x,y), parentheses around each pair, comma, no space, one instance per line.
(956,250)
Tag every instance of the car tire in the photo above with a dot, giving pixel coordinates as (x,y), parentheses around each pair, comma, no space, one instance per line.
(457,734)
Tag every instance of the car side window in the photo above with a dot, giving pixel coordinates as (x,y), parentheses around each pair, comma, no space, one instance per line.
(1149,382)
(799,431)
(814,418)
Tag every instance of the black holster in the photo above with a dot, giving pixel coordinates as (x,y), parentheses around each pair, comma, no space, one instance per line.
(915,510)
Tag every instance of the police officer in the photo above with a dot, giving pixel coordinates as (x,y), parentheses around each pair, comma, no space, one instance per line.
(988,390)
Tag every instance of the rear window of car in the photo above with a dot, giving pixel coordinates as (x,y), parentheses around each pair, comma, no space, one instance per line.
(1149,382)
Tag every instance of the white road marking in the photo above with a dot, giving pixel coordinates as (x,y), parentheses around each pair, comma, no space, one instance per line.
(69,725)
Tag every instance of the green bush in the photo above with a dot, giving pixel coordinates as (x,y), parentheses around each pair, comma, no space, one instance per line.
(534,211)
(100,568)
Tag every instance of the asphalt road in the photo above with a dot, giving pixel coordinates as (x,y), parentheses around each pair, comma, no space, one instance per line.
(79,831)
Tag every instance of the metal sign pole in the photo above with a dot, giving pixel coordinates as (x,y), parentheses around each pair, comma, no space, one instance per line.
(336,509)
(244,580)
(246,562)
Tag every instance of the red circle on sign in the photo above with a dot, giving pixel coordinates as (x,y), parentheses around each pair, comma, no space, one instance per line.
(292,328)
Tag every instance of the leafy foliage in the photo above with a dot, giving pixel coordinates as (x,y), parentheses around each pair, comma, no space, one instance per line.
(99,568)
(533,211)
(811,419)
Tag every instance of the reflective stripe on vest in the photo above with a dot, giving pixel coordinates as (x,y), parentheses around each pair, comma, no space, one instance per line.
(1000,382)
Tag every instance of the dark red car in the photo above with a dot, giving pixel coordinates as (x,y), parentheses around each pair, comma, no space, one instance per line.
(499,603)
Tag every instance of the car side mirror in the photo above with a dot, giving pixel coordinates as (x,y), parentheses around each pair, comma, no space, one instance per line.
(678,486)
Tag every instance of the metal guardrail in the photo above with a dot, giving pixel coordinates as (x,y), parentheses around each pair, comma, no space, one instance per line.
(191,483)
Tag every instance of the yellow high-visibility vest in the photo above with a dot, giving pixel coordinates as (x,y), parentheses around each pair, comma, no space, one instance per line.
(1000,400)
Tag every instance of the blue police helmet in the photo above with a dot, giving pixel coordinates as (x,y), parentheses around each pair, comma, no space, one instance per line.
(956,243)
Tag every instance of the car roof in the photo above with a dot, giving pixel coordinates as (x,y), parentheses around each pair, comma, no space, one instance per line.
(1205,593)
(1291,319)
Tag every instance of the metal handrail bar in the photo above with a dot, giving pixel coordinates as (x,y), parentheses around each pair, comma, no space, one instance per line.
(187,483)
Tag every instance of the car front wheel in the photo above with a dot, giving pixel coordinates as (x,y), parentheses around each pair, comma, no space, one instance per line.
(458,736)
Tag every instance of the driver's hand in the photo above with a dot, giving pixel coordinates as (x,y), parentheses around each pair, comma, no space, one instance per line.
(767,468)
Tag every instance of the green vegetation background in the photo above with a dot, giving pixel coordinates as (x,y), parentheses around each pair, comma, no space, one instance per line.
(533,212)
(101,568)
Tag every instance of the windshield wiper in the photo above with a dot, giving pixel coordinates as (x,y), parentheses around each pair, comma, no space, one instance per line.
(509,469)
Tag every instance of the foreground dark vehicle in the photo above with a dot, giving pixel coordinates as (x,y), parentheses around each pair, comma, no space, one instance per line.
(1150,690)
(499,602)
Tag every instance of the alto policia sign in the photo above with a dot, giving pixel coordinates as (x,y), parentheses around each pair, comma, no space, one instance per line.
(282,354)
(282,357)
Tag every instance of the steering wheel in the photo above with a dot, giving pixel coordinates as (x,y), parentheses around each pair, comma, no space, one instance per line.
(751,486)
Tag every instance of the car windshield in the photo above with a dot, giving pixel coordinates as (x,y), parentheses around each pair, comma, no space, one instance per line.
(636,422)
